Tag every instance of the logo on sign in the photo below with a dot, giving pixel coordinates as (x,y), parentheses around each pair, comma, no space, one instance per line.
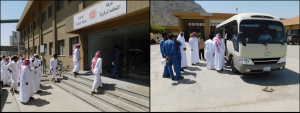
(266,48)
(93,14)
(267,53)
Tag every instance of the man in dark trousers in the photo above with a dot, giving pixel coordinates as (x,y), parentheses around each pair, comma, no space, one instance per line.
(178,44)
(117,63)
(169,48)
(165,38)
(112,55)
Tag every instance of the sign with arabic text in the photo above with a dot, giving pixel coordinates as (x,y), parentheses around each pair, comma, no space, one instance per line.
(99,12)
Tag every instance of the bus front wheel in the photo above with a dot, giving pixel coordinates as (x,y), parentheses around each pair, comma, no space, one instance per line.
(233,69)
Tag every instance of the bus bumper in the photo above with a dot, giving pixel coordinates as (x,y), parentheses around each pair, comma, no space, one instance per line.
(259,67)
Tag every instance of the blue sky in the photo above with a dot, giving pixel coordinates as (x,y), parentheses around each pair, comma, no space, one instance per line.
(10,10)
(280,9)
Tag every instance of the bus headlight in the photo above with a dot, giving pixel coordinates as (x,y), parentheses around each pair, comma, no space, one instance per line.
(281,60)
(243,60)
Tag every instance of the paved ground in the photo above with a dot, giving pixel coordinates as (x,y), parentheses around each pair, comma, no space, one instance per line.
(51,99)
(208,90)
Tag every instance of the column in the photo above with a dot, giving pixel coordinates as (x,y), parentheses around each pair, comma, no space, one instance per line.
(33,40)
(83,50)
(55,44)
(40,26)
(206,27)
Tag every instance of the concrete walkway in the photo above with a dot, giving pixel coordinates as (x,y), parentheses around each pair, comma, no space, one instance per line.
(208,90)
(51,99)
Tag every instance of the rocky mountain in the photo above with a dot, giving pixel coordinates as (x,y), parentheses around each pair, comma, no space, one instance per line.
(161,11)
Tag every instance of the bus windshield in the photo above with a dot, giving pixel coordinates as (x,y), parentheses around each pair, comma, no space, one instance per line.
(262,31)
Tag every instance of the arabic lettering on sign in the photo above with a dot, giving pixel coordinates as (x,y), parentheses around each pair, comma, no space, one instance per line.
(109,4)
(103,13)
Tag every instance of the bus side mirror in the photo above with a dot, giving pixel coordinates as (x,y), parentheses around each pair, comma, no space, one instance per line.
(241,39)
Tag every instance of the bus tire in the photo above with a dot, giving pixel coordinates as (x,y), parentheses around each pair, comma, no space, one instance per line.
(295,43)
(233,69)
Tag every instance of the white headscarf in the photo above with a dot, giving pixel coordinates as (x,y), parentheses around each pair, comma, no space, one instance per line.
(180,37)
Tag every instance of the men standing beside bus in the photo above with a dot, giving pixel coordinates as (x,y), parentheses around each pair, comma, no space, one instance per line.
(165,38)
(180,38)
(169,48)
(201,46)
(194,49)
(219,52)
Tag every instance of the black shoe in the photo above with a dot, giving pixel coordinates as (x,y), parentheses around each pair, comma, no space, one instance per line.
(112,77)
(180,78)
(173,79)
(181,69)
(168,76)
(204,59)
(193,64)
(200,59)
(108,72)
(31,98)
(184,67)
(120,76)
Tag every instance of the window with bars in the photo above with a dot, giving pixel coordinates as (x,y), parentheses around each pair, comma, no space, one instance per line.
(44,17)
(51,48)
(34,24)
(73,41)
(45,49)
(60,4)
(49,11)
(61,47)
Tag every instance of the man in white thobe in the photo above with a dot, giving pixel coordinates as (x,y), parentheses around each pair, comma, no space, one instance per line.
(76,58)
(53,67)
(38,70)
(14,69)
(194,49)
(97,71)
(34,75)
(209,48)
(26,91)
(180,38)
(219,53)
(4,72)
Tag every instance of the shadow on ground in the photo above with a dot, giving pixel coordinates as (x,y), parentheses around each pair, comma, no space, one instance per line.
(277,78)
(184,81)
(4,96)
(43,93)
(37,102)
(188,73)
(192,68)
(45,87)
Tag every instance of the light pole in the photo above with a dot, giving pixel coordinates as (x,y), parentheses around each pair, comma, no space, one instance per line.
(236,10)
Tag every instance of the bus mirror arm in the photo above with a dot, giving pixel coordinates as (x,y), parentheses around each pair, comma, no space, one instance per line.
(241,38)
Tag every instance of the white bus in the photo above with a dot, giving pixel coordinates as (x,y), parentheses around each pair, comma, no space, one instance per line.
(255,42)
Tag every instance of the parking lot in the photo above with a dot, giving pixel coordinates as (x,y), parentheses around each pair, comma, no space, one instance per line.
(207,90)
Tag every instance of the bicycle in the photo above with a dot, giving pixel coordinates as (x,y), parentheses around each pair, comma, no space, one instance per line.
(62,69)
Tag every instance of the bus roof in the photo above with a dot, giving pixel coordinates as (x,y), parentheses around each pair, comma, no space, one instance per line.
(250,16)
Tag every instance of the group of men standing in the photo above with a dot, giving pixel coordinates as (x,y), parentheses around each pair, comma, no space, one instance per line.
(173,50)
(26,72)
